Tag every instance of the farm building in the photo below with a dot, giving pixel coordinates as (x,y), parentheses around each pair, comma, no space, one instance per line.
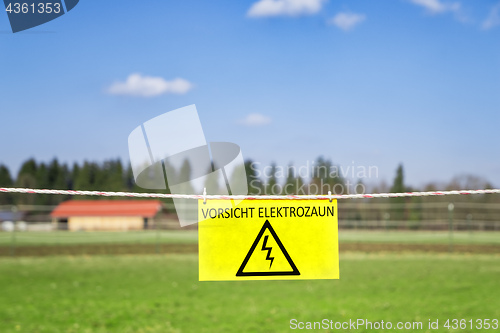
(91,215)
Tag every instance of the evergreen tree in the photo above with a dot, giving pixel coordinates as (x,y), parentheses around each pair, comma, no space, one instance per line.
(301,190)
(271,186)
(110,177)
(185,171)
(56,175)
(398,186)
(5,181)
(56,178)
(42,181)
(324,178)
(238,181)
(184,178)
(290,186)
(255,185)
(87,179)
(27,178)
(212,182)
(129,179)
(73,175)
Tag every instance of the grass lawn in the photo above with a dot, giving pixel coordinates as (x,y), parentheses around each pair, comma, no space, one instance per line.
(160,293)
(191,237)
(421,237)
(99,237)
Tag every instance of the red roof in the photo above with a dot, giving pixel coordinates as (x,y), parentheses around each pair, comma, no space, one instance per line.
(144,208)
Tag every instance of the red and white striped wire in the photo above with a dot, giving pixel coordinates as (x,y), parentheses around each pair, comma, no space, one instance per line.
(250,197)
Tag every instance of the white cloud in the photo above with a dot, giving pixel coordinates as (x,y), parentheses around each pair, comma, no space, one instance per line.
(493,18)
(437,6)
(149,86)
(347,21)
(285,7)
(255,119)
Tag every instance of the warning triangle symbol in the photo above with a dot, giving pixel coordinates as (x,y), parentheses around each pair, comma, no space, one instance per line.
(267,256)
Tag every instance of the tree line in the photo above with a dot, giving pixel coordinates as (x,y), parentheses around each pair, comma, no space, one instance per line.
(112,175)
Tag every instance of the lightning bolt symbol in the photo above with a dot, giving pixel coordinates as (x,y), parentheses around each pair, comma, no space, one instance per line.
(268,249)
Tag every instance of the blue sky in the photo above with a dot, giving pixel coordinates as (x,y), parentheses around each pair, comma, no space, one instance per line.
(365,83)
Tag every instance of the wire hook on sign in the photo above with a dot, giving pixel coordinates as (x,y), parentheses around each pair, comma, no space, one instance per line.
(204,195)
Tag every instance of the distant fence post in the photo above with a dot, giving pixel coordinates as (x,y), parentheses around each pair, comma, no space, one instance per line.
(469,223)
(13,235)
(157,237)
(387,216)
(451,207)
(13,242)
(56,235)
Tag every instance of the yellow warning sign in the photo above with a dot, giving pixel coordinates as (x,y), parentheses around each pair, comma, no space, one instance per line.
(268,240)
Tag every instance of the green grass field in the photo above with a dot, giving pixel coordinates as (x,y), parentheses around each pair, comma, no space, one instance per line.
(100,237)
(421,237)
(161,293)
(191,236)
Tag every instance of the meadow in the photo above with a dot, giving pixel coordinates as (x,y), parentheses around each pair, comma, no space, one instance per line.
(191,237)
(161,293)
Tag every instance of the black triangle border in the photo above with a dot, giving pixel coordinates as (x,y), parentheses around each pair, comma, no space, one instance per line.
(268,226)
